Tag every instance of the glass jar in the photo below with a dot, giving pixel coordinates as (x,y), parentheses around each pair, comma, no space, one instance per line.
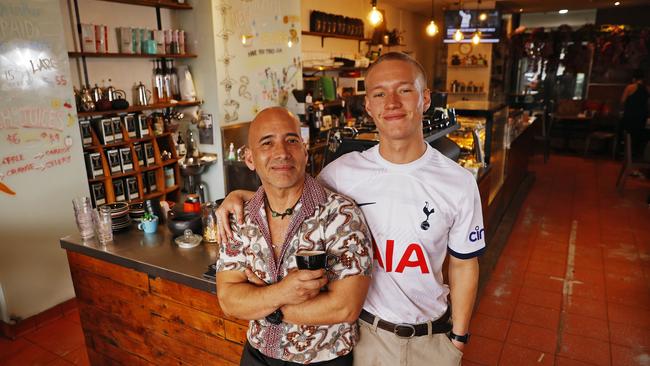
(83,216)
(209,218)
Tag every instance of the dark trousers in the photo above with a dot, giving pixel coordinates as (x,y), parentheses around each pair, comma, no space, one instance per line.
(252,357)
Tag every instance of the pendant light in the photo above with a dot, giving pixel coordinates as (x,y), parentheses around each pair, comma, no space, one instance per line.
(432,28)
(375,17)
(458,35)
(476,38)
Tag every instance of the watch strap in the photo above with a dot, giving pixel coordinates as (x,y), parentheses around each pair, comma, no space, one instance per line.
(459,338)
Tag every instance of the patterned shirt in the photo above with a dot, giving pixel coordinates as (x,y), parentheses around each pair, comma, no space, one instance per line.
(323,220)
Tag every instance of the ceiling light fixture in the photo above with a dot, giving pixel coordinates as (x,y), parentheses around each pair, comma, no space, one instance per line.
(482,16)
(432,28)
(476,38)
(521,10)
(617,3)
(458,35)
(563,11)
(375,17)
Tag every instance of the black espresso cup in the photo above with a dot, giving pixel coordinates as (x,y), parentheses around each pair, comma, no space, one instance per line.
(311,259)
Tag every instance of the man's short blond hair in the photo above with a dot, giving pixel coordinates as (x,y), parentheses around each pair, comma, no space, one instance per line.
(400,56)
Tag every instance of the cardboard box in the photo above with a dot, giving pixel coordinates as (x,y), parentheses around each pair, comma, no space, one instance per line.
(98,194)
(143,128)
(125,159)
(86,134)
(113,157)
(149,153)
(117,129)
(151,181)
(132,188)
(130,124)
(118,189)
(139,153)
(104,130)
(94,165)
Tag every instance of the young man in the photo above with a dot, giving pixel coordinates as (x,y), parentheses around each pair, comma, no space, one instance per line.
(420,206)
(291,320)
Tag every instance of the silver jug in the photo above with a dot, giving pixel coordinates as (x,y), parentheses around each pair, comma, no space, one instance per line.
(113,94)
(97,93)
(86,103)
(142,95)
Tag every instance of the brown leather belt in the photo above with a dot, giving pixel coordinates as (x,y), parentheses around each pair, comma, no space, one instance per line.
(440,325)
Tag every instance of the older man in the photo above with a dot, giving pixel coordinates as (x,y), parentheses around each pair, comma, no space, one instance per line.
(420,206)
(291,320)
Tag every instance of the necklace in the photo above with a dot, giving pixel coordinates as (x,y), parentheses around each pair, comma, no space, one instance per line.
(287,212)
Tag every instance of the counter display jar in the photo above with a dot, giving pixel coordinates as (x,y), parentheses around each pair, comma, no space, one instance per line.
(209,218)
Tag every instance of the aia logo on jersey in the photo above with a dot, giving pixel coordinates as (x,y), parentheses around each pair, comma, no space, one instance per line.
(425,224)
(476,235)
(405,259)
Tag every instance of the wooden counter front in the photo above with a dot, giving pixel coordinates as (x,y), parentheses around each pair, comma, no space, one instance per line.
(131,318)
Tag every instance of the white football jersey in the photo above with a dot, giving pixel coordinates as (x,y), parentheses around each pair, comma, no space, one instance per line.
(417,213)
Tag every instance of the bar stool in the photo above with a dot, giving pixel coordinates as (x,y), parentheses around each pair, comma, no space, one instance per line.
(629,165)
(604,132)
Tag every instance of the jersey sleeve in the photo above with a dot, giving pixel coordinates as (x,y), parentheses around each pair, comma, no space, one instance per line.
(348,241)
(467,234)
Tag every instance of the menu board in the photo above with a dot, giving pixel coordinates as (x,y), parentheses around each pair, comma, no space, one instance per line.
(259,55)
(38,126)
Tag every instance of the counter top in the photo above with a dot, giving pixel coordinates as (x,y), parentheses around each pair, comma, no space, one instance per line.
(155,254)
(466,105)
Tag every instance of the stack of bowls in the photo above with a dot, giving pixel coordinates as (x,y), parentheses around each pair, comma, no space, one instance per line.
(136,211)
(119,215)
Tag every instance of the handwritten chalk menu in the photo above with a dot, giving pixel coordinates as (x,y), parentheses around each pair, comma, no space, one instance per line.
(40,146)
(259,55)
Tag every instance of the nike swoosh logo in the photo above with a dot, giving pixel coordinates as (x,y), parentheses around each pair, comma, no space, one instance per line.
(365,204)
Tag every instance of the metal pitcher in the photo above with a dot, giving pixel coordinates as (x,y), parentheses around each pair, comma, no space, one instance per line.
(97,93)
(86,103)
(113,94)
(142,95)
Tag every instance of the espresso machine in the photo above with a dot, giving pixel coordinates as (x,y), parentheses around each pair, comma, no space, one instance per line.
(192,166)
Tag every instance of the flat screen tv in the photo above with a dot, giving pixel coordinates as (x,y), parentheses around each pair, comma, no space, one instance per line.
(468,22)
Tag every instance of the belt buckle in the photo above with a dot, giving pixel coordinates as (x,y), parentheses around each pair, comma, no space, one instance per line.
(409,326)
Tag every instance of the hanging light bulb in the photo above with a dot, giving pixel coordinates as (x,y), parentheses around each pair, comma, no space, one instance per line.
(432,29)
(458,35)
(476,39)
(482,17)
(375,17)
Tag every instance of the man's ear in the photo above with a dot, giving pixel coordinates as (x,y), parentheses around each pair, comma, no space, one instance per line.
(248,159)
(426,95)
(366,104)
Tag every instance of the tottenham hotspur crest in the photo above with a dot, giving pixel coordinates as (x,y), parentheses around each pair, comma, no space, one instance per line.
(425,224)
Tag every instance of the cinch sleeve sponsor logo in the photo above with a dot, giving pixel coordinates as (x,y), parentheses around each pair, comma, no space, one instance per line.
(476,235)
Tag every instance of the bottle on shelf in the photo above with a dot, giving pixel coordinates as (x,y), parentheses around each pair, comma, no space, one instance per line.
(180,146)
(167,81)
(173,77)
(158,84)
(231,152)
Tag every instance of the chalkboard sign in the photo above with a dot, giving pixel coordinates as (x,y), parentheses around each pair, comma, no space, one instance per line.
(38,126)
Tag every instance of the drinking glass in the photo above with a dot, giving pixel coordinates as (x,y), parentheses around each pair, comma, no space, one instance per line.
(103,225)
(83,216)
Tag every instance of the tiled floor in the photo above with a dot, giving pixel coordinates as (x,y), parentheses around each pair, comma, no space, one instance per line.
(57,343)
(572,286)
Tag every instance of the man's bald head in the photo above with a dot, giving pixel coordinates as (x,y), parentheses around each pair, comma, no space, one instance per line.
(270,114)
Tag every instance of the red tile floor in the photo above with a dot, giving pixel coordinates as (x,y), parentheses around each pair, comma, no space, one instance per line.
(572,286)
(57,342)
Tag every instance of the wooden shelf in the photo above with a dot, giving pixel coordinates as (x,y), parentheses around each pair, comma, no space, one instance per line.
(139,108)
(95,180)
(167,4)
(330,35)
(122,175)
(467,66)
(128,55)
(148,168)
(155,194)
(169,162)
(172,188)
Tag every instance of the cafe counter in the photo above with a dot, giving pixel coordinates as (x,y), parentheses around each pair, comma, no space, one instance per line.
(143,301)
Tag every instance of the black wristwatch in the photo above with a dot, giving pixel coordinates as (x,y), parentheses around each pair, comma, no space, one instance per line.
(459,338)
(275,317)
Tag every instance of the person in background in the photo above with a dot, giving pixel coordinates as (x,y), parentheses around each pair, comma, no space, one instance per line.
(635,112)
(291,320)
(420,206)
